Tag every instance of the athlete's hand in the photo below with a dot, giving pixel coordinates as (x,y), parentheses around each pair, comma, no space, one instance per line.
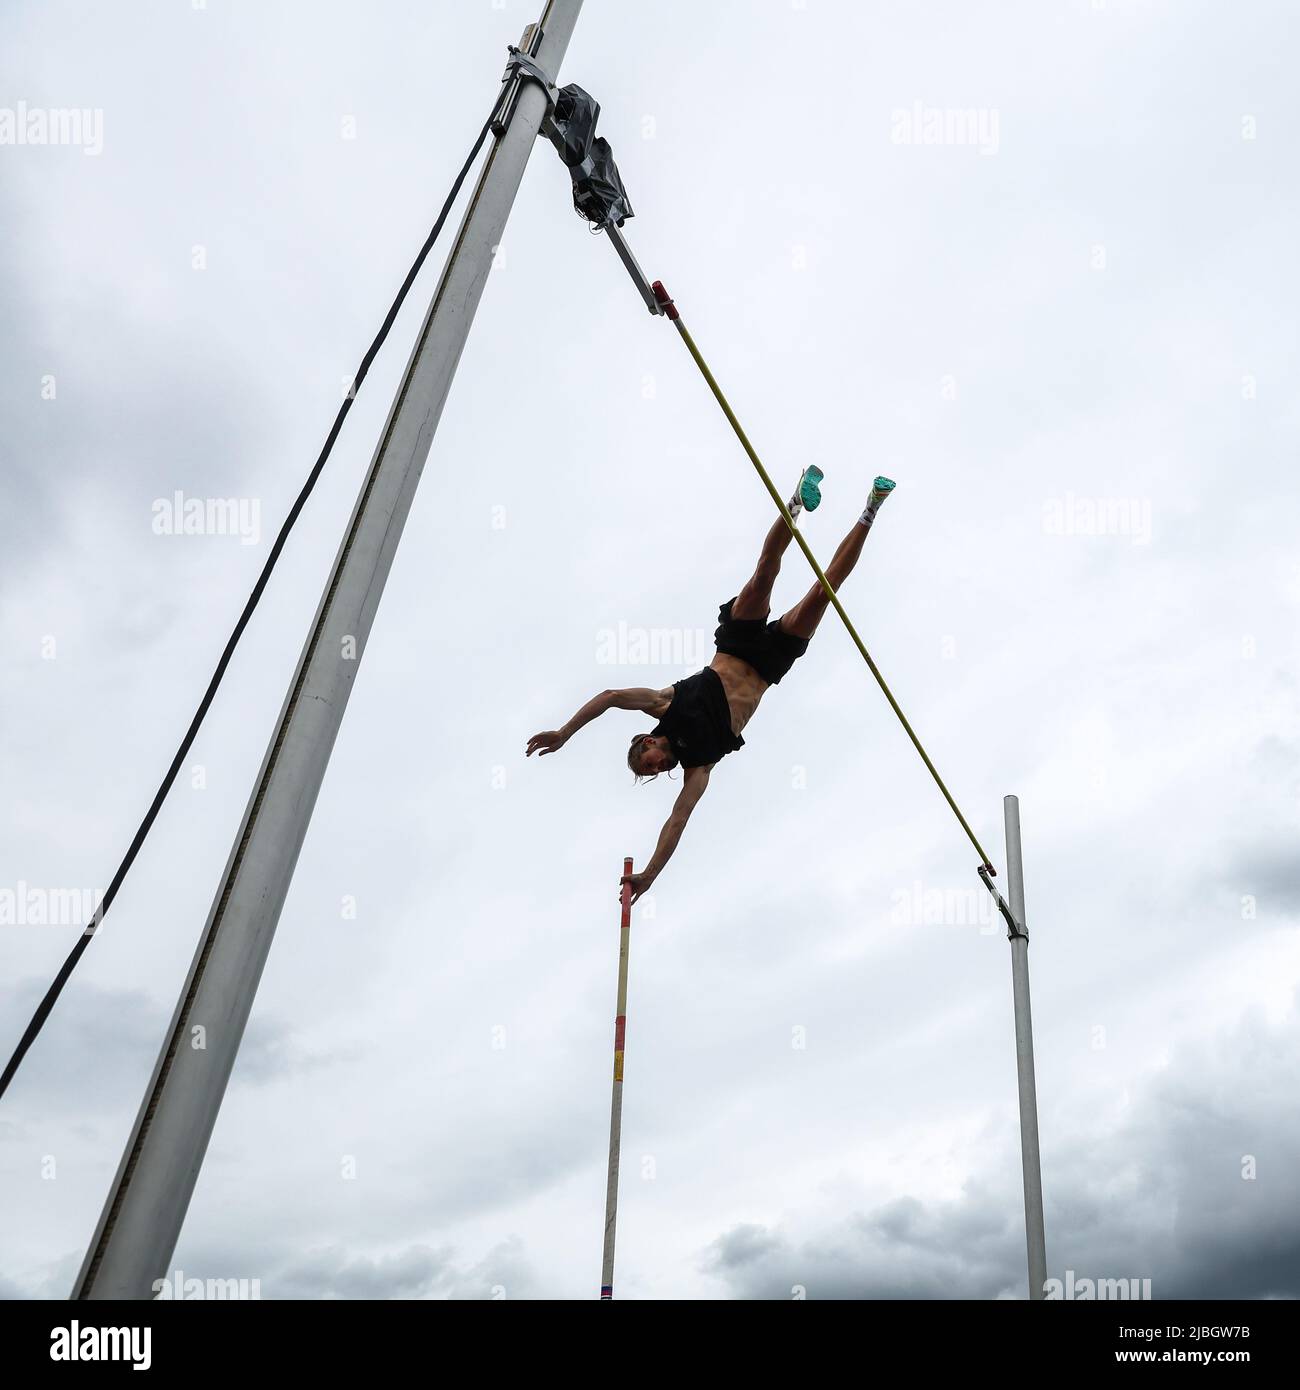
(639,883)
(546,743)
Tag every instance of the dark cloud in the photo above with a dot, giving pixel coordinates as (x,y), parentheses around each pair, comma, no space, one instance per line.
(1271,875)
(904,1249)
(93,1045)
(418,1271)
(1199,1191)
(334,1273)
(87,1053)
(270,1050)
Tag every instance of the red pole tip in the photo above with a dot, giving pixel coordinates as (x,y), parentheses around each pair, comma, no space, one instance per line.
(665,300)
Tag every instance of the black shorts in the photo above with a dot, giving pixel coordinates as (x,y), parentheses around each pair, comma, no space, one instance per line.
(763,645)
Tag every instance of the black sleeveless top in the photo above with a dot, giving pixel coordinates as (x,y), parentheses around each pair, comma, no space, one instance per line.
(698,722)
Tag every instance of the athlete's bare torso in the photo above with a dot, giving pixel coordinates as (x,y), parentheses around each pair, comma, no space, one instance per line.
(744,687)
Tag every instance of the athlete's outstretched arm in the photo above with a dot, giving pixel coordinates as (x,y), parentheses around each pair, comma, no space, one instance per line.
(694,785)
(651,701)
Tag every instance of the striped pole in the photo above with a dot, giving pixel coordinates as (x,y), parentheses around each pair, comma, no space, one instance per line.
(616,1102)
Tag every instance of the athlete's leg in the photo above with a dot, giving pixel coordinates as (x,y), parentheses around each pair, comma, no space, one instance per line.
(755,599)
(802,619)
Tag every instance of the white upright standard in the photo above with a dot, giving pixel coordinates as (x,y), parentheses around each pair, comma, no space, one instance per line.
(1034,1237)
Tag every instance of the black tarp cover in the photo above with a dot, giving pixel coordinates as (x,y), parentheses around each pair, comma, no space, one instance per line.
(598,192)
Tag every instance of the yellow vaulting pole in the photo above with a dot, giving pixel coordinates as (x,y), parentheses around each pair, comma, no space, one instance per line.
(669,309)
(616,1101)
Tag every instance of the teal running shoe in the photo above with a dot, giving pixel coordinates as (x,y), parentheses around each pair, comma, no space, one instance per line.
(880,489)
(808,495)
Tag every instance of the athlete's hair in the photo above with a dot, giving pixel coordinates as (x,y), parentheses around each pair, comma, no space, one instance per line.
(634,751)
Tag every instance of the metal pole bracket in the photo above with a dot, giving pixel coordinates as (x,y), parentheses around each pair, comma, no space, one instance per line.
(523,67)
(1014,929)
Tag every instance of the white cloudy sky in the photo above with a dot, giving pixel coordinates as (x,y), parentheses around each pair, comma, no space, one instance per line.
(1096,307)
